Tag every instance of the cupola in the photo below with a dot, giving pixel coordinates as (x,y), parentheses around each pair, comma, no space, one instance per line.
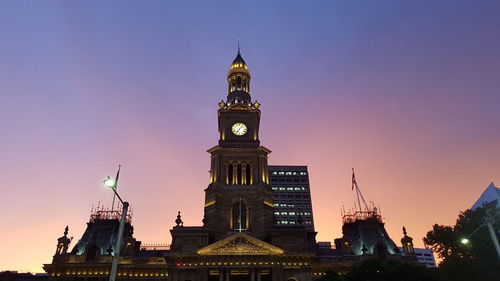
(238,79)
(407,242)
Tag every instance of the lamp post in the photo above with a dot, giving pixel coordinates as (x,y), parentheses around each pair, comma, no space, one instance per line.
(493,235)
(109,182)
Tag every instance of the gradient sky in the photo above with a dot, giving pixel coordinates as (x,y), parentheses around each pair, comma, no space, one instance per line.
(406,92)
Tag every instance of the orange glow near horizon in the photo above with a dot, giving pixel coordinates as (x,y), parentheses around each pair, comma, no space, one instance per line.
(407,94)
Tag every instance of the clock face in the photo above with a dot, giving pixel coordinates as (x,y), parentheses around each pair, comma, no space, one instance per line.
(239,129)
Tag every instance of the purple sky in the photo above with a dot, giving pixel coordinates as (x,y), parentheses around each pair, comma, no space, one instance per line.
(406,92)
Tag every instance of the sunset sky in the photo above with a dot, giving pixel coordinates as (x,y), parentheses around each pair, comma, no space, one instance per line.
(406,92)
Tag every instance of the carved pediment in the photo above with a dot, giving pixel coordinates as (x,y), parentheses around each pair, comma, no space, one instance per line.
(240,244)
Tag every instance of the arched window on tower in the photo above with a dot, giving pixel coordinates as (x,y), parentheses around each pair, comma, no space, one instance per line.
(247,170)
(239,175)
(230,174)
(238,83)
(239,219)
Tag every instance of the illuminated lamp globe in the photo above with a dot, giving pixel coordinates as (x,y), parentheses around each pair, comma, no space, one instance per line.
(109,182)
(464,241)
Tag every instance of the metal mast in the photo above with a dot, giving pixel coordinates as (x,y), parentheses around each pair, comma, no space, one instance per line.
(359,195)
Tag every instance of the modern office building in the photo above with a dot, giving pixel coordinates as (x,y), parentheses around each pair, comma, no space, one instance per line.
(292,195)
(424,256)
(490,194)
(324,245)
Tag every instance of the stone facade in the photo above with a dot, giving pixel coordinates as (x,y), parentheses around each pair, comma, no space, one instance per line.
(239,239)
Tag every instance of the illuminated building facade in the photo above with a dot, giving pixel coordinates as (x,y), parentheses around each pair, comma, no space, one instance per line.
(425,257)
(292,195)
(239,239)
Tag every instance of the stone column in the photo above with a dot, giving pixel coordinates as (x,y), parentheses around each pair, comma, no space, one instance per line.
(227,275)
(215,169)
(243,173)
(221,275)
(226,167)
(212,169)
(252,274)
(173,275)
(306,276)
(235,174)
(266,171)
(251,174)
(262,169)
(202,274)
(277,274)
(258,274)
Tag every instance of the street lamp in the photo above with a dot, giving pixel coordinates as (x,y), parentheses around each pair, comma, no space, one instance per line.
(493,235)
(109,182)
(113,184)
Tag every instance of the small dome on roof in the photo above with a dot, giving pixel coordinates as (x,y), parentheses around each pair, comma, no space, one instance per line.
(239,59)
(238,79)
(238,65)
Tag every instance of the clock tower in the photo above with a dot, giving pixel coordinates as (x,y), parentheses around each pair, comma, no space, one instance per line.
(239,197)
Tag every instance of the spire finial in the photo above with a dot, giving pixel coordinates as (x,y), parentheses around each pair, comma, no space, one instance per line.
(178,221)
(404,231)
(239,46)
(66,231)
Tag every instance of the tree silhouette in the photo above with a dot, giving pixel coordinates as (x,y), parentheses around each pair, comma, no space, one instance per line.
(476,260)
(377,269)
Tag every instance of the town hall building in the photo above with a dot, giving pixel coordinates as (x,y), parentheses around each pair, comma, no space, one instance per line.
(240,237)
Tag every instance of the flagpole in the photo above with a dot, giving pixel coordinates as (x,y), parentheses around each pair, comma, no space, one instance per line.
(355,184)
